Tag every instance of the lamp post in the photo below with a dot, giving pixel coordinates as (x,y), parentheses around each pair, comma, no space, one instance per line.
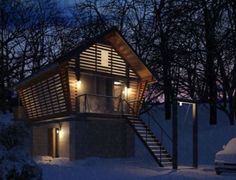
(175,134)
(194,130)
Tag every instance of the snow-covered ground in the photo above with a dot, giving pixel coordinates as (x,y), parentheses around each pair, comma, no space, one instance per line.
(122,169)
(142,166)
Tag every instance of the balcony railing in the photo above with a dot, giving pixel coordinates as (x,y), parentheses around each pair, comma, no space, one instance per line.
(94,103)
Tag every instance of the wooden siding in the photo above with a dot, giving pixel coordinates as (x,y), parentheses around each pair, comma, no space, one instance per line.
(90,59)
(72,83)
(46,98)
(53,93)
(125,50)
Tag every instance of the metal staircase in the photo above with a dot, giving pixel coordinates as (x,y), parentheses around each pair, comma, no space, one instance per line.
(154,146)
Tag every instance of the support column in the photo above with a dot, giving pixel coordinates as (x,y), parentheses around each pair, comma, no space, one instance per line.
(175,134)
(195,134)
(72,139)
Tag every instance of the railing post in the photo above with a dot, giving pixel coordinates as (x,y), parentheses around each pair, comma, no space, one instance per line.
(161,144)
(122,110)
(146,133)
(85,103)
(175,134)
(78,103)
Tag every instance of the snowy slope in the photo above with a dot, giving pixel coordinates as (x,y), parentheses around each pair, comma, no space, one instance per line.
(211,137)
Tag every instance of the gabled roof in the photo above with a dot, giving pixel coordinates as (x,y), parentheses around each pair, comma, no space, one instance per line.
(114,38)
(123,48)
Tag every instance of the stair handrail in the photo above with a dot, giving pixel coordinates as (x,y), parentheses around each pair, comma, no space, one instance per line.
(149,126)
(162,129)
(131,108)
(153,118)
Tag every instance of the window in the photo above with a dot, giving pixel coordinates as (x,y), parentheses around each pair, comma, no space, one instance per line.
(104,58)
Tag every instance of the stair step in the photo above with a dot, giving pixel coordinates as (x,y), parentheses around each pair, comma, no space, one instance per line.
(165,160)
(150,140)
(160,149)
(154,146)
(137,123)
(142,126)
(163,157)
(157,147)
(132,117)
(166,164)
(143,131)
(149,134)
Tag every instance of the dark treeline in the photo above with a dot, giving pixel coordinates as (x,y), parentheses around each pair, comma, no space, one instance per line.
(189,45)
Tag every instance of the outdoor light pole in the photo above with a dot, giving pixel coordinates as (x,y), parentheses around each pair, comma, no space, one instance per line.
(194,131)
(175,134)
(195,134)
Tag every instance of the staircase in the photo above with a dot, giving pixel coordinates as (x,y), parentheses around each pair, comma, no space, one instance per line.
(140,96)
(150,141)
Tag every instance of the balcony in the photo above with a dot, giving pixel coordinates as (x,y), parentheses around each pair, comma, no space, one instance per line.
(93,103)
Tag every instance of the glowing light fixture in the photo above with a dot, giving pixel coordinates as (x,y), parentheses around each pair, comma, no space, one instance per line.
(117,83)
(180,103)
(126,91)
(78,84)
(58,131)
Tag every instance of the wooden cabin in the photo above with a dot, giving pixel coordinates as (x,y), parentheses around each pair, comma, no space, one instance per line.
(77,105)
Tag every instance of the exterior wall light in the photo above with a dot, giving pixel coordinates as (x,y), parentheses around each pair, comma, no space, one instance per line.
(126,92)
(78,84)
(117,83)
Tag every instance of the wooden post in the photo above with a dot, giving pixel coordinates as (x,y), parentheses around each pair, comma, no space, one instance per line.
(195,134)
(175,134)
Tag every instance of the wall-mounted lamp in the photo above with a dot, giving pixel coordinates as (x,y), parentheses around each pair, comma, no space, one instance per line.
(126,92)
(185,102)
(117,83)
(78,83)
(58,129)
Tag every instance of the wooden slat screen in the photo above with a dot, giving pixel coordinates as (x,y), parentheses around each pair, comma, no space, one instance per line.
(133,90)
(90,59)
(44,98)
(72,82)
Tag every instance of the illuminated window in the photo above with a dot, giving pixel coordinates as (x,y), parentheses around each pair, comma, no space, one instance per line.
(104,58)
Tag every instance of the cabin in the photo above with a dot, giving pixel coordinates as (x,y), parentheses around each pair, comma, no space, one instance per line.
(84,104)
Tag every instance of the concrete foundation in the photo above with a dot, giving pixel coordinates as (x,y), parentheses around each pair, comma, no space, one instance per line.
(40,139)
(87,135)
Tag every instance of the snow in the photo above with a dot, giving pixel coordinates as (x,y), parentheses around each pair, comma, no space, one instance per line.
(231,146)
(116,169)
(6,118)
(142,166)
(211,138)
(15,160)
(228,154)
